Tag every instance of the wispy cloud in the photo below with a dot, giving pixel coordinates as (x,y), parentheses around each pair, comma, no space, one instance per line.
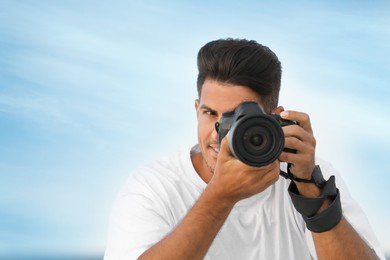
(89,89)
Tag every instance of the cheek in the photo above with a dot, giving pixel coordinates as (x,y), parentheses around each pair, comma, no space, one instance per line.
(205,129)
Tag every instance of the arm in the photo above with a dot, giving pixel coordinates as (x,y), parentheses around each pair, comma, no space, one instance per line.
(232,181)
(193,236)
(342,241)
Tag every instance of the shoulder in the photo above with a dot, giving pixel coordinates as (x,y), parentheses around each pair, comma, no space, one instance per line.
(145,210)
(329,170)
(169,168)
(351,208)
(165,176)
(326,168)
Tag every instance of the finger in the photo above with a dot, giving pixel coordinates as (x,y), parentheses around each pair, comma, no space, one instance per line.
(303,119)
(299,133)
(301,160)
(267,168)
(299,146)
(273,174)
(294,144)
(269,173)
(278,110)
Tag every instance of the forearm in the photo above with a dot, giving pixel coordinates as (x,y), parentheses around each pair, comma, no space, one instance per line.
(192,238)
(342,242)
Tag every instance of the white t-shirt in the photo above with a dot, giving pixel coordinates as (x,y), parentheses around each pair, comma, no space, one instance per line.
(265,226)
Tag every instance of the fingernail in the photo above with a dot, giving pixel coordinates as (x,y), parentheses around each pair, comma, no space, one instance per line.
(284,114)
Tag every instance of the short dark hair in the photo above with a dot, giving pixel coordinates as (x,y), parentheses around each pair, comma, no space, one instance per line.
(242,62)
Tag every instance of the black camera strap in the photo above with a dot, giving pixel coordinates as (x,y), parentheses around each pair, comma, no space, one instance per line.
(289,175)
(309,206)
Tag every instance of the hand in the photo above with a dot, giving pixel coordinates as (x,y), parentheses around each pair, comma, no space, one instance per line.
(233,180)
(300,138)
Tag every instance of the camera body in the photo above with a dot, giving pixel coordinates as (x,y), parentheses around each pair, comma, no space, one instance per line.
(255,138)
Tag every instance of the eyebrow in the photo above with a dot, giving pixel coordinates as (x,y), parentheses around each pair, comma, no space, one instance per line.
(205,107)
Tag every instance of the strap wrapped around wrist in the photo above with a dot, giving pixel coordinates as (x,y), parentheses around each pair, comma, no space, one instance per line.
(327,219)
(308,207)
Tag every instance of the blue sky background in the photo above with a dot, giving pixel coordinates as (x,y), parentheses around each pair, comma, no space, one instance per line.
(91,89)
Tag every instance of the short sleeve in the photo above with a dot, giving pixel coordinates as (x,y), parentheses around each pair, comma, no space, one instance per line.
(136,222)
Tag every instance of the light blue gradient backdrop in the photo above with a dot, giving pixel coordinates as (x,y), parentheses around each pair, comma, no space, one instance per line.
(91,89)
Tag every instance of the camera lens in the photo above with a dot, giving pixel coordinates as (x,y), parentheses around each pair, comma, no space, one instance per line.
(256,140)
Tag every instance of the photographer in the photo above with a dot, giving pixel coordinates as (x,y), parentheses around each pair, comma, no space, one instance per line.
(212,203)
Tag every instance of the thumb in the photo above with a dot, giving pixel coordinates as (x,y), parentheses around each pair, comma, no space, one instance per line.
(278,110)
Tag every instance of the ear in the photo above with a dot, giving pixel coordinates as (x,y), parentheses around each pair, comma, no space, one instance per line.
(278,110)
(197,103)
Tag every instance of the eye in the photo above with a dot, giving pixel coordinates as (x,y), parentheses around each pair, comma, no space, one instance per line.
(209,113)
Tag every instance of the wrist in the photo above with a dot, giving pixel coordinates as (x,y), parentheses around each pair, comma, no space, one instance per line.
(311,190)
(218,200)
(308,189)
(321,213)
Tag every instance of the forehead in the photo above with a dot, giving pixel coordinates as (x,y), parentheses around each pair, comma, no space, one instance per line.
(224,97)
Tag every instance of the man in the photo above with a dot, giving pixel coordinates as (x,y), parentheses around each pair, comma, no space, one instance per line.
(207,204)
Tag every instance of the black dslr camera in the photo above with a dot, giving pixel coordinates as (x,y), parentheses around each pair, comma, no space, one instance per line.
(255,138)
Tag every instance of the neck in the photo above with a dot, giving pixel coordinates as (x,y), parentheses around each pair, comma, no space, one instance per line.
(201,167)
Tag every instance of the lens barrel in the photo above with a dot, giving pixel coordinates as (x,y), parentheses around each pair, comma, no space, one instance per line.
(256,140)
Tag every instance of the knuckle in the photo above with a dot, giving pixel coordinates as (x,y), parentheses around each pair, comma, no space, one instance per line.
(307,158)
(306,117)
(314,141)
